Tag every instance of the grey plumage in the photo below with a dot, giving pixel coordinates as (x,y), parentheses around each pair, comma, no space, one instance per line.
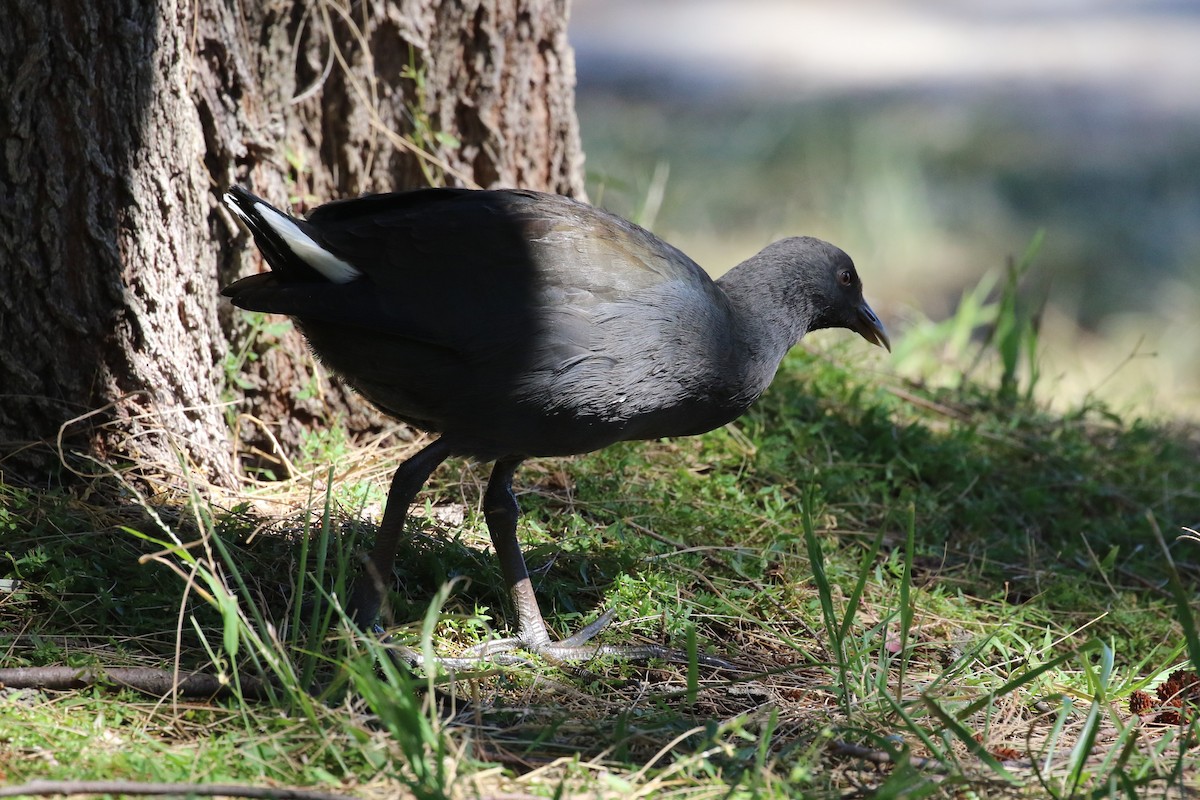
(519,324)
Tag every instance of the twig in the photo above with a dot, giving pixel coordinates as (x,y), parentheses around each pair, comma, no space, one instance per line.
(156,682)
(928,405)
(173,789)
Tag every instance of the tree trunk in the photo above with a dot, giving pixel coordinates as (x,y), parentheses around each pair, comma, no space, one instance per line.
(122,123)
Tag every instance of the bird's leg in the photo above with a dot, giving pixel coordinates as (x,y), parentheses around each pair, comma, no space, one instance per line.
(371,586)
(501,511)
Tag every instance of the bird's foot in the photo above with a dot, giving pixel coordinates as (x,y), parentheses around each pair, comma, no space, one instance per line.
(573,650)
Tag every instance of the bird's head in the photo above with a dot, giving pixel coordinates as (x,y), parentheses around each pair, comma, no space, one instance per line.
(838,295)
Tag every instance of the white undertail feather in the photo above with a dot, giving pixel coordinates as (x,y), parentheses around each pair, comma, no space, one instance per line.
(317,257)
(231,201)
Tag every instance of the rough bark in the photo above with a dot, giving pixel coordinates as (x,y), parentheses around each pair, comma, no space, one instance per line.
(122,123)
(106,298)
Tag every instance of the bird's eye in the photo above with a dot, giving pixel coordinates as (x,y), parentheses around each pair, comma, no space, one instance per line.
(845,277)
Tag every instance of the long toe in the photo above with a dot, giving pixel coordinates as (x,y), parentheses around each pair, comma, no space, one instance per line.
(506,656)
(577,648)
(569,652)
(635,653)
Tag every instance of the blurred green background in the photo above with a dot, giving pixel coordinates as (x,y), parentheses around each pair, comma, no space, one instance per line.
(932,141)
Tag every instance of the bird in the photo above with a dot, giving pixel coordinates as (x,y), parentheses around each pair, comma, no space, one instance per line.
(516,324)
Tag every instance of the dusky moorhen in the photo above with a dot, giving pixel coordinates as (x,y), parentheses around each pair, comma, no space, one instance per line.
(518,324)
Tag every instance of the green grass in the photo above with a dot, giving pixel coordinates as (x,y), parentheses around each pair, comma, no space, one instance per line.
(943,576)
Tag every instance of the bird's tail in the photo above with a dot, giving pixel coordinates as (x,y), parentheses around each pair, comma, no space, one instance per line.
(290,246)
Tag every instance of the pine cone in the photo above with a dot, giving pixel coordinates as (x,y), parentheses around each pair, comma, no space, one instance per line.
(1140,703)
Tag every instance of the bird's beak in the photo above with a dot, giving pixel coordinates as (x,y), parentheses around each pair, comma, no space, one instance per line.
(870,328)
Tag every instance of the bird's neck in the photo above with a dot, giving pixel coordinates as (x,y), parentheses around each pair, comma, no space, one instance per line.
(769,323)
